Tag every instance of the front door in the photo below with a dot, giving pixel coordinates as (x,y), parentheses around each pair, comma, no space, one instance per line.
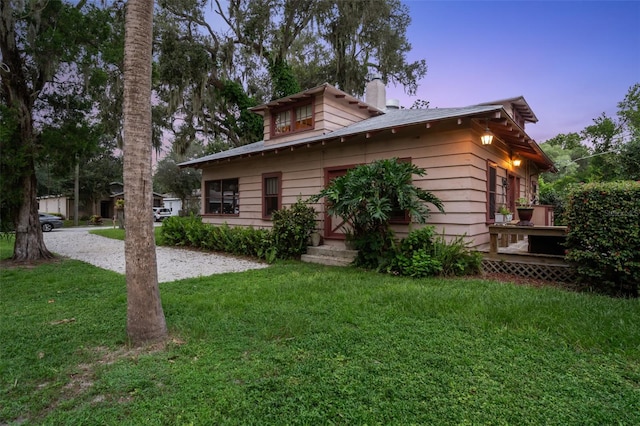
(333,226)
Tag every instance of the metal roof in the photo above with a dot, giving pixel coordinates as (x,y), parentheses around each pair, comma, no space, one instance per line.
(323,88)
(390,119)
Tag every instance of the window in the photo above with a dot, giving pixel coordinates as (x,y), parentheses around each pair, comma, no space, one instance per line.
(293,119)
(304,118)
(282,122)
(271,193)
(222,197)
(491,191)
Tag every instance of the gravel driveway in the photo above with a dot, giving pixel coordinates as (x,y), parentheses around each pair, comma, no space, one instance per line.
(173,263)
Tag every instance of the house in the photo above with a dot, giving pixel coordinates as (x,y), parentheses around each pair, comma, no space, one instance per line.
(173,204)
(58,204)
(318,134)
(64,205)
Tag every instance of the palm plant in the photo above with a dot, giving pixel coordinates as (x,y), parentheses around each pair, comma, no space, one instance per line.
(367,197)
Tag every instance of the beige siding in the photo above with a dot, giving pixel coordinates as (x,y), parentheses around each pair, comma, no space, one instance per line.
(336,114)
(455,162)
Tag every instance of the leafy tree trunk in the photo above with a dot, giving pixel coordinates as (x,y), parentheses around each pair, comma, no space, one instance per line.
(145,317)
(29,244)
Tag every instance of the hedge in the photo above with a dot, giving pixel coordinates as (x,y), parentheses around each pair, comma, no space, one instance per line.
(603,240)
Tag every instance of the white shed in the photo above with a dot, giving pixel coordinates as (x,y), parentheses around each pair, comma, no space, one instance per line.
(173,204)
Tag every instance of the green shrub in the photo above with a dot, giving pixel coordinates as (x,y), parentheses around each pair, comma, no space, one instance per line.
(368,196)
(420,264)
(95,220)
(603,240)
(418,239)
(247,241)
(551,196)
(423,254)
(456,256)
(173,230)
(242,241)
(375,250)
(195,232)
(292,228)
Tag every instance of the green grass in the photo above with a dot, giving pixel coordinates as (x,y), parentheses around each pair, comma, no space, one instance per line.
(305,344)
(118,234)
(70,223)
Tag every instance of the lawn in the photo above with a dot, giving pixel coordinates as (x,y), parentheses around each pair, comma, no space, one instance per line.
(118,234)
(306,344)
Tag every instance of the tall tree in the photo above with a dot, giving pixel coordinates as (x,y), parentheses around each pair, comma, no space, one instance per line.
(629,114)
(368,37)
(21,84)
(145,317)
(49,50)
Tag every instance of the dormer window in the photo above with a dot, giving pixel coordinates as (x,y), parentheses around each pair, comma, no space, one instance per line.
(296,118)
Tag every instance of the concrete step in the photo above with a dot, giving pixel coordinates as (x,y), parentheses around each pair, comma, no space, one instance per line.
(325,260)
(329,255)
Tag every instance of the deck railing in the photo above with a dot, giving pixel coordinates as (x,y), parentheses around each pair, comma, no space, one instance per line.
(544,258)
(555,232)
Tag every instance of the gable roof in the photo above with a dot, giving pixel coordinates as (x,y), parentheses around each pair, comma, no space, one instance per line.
(325,88)
(520,105)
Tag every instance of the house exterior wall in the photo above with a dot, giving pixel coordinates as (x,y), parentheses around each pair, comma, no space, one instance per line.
(455,161)
(334,115)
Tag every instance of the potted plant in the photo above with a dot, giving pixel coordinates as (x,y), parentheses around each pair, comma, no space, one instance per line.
(503,214)
(525,212)
(315,238)
(119,216)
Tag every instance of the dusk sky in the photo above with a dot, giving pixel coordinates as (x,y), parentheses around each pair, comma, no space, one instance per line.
(571,60)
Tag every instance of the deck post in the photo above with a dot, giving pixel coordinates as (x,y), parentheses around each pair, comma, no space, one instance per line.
(493,243)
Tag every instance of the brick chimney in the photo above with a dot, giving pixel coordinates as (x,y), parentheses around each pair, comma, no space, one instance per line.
(376,93)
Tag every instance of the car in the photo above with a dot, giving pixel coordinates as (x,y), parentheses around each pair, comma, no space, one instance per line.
(160,213)
(50,222)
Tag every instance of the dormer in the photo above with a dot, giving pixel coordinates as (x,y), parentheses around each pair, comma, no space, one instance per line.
(518,109)
(320,110)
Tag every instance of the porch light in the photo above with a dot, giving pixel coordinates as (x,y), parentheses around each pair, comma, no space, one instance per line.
(516,161)
(487,137)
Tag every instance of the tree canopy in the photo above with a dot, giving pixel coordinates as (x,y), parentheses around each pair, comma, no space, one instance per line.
(180,182)
(51,51)
(265,49)
(607,150)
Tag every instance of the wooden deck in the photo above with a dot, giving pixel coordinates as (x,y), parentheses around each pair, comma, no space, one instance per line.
(514,233)
(530,251)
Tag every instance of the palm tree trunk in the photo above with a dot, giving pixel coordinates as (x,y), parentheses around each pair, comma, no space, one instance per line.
(145,317)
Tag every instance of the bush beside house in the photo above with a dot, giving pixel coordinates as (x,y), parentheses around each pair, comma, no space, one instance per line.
(423,253)
(603,240)
(287,240)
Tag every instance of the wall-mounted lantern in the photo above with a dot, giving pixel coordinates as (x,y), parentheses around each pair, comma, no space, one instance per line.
(516,161)
(487,137)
